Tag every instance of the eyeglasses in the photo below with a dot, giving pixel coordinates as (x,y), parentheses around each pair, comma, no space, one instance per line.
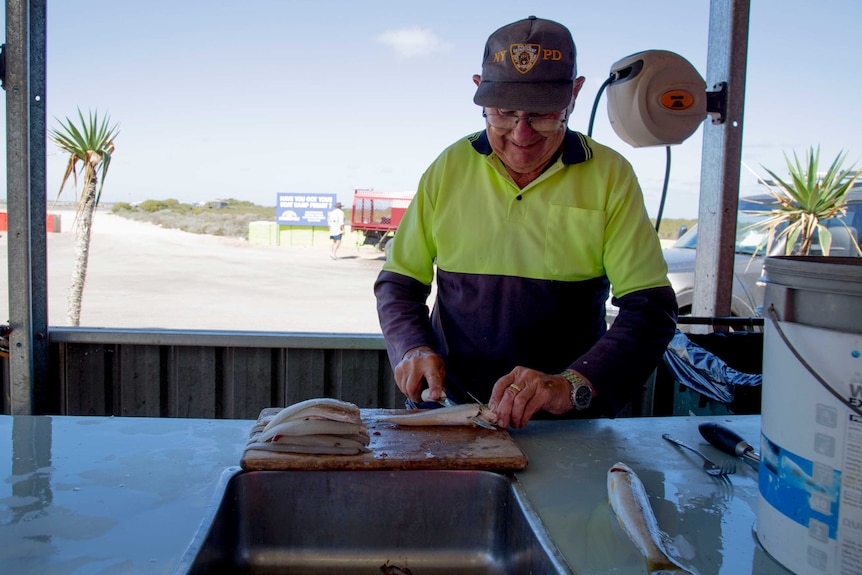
(540,123)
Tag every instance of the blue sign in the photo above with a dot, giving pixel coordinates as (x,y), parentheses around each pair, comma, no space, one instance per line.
(303,209)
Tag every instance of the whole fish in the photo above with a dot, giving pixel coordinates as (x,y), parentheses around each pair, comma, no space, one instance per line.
(630,503)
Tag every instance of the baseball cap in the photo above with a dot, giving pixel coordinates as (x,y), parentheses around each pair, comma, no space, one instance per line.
(528,65)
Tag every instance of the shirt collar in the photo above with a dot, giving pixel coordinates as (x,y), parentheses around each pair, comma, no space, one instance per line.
(576,148)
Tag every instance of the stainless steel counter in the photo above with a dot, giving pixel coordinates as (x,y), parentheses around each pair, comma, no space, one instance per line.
(83,495)
(711,524)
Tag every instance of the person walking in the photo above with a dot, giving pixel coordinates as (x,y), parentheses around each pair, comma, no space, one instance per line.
(335,219)
(526,226)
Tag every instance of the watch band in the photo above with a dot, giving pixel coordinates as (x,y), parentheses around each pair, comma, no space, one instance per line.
(582,393)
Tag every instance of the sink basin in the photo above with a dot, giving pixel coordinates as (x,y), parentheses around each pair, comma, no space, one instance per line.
(346,522)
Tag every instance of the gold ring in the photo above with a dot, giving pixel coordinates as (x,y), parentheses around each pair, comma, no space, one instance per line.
(517,388)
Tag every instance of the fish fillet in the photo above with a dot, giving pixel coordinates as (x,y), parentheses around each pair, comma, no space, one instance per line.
(311,427)
(319,407)
(322,426)
(630,503)
(455,415)
(309,449)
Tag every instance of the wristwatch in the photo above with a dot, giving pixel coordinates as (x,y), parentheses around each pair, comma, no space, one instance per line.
(582,393)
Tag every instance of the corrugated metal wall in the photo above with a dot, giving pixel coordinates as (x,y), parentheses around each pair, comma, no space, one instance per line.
(207,374)
(223,374)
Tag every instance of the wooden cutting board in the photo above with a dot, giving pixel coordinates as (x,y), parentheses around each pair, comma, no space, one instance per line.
(394,447)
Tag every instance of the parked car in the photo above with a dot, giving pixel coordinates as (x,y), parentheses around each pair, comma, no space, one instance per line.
(748,288)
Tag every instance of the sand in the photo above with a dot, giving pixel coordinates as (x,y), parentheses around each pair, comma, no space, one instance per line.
(144,276)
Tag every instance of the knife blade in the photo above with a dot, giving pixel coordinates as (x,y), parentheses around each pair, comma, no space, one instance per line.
(478,421)
(473,397)
(729,441)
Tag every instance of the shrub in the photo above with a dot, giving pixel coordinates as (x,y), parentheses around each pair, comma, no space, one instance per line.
(152,206)
(231,221)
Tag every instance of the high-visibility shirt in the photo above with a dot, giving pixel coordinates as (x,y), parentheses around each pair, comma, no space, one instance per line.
(522,275)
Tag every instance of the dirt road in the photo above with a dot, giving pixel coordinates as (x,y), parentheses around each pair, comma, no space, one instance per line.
(143,276)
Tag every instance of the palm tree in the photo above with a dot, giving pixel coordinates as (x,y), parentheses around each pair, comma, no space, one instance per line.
(805,200)
(91,144)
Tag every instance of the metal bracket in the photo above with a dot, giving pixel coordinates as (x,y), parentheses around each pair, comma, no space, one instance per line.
(716,103)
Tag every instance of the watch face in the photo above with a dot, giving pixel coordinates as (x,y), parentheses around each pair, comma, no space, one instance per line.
(583,396)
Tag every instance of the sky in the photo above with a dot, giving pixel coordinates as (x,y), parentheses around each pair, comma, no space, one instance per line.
(245,100)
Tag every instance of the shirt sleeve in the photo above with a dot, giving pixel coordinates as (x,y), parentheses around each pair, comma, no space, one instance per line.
(622,360)
(403,313)
(633,258)
(403,286)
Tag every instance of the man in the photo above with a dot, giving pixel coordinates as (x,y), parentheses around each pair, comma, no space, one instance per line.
(528,224)
(335,219)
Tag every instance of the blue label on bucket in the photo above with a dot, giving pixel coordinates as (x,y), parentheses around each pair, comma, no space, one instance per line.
(801,490)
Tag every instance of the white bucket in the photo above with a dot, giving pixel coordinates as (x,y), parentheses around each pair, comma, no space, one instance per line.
(809,514)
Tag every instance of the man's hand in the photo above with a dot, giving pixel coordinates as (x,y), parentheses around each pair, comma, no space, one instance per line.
(419,365)
(518,395)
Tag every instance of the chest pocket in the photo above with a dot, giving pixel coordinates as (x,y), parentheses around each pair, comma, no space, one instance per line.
(574,240)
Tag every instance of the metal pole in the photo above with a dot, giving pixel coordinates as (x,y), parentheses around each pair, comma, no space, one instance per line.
(721,160)
(25,84)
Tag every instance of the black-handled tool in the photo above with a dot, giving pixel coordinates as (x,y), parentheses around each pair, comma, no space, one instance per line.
(729,441)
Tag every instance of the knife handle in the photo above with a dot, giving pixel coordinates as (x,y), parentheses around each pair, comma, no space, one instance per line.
(724,439)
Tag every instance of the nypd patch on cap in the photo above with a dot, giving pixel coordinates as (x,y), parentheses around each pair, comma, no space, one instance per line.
(528,65)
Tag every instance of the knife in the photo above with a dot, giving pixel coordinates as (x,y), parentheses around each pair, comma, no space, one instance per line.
(729,441)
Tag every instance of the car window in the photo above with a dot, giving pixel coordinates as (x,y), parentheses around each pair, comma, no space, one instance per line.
(688,239)
(854,215)
(748,237)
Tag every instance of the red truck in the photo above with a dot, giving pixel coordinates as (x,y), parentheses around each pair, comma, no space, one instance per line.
(377,215)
